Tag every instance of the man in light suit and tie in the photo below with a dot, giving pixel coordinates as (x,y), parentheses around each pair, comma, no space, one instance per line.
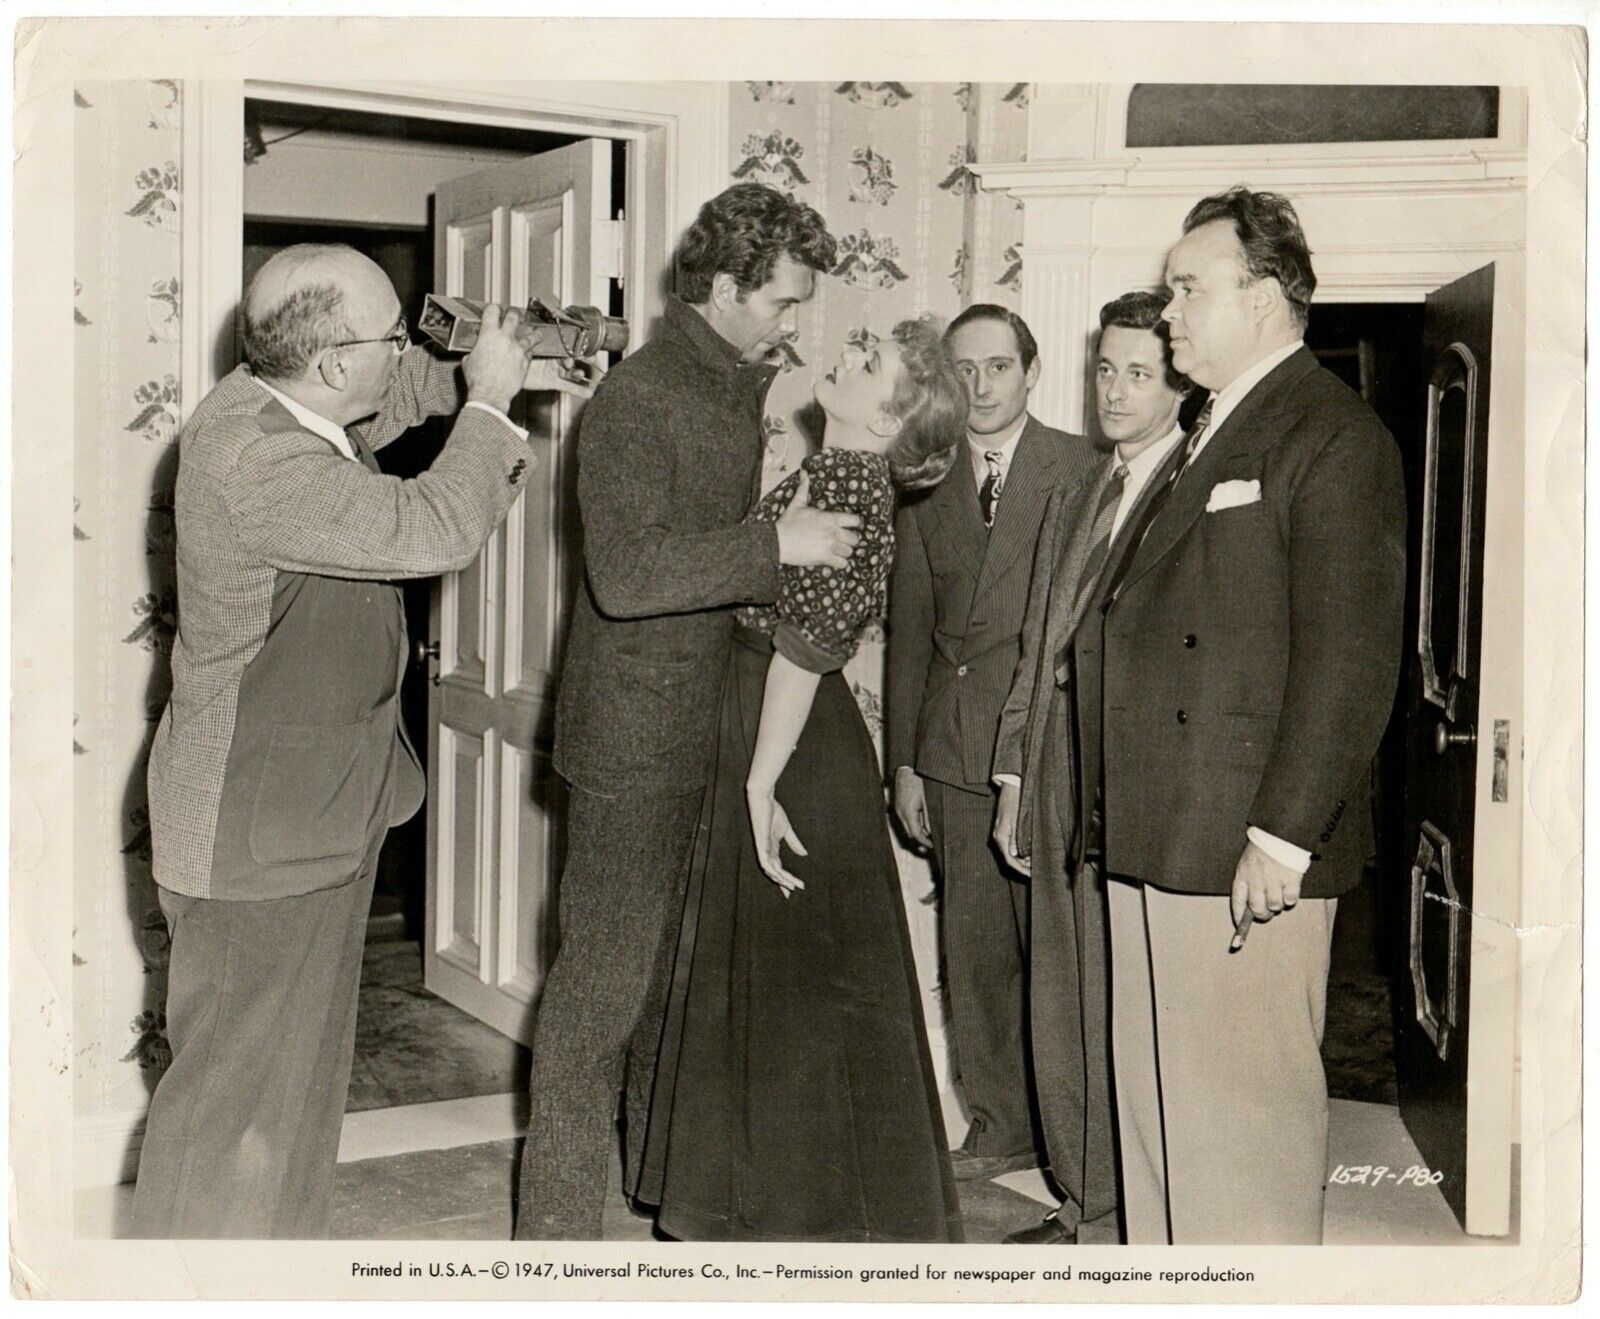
(1248,642)
(281,761)
(963,560)
(1044,821)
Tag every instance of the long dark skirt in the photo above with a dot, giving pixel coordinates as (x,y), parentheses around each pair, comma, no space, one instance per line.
(795,1097)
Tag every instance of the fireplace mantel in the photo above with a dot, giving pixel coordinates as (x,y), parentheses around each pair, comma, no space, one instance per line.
(1387,221)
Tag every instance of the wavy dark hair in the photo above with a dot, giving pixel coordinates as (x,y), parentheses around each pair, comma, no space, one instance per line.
(1142,311)
(1274,244)
(1027,345)
(931,403)
(742,232)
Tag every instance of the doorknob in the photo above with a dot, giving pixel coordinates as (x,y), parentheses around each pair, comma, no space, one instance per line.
(423,651)
(1445,737)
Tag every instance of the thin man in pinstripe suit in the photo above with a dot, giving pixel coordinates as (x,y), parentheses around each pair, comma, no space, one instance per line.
(960,589)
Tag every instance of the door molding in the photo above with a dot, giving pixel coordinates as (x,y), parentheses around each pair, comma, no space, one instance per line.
(681,132)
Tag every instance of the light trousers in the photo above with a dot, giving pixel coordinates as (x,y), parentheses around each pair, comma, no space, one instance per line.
(1221,1098)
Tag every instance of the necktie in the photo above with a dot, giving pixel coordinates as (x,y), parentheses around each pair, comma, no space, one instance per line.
(1158,501)
(989,494)
(1105,516)
(362,453)
(1191,441)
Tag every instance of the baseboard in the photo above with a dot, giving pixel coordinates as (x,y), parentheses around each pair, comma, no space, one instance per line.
(106,1147)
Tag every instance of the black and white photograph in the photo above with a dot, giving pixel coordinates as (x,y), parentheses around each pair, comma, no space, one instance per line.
(965,687)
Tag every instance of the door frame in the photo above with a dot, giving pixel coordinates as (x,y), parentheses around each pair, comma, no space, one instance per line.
(677,133)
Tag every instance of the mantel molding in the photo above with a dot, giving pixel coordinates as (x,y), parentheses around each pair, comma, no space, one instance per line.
(1401,219)
(1474,169)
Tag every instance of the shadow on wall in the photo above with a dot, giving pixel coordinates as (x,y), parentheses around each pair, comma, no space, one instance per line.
(154,632)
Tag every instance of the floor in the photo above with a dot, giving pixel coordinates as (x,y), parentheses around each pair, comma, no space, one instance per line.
(437,1103)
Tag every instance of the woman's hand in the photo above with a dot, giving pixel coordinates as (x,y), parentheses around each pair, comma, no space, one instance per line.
(771,826)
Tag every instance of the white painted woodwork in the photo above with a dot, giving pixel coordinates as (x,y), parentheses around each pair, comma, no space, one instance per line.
(516,231)
(677,143)
(346,178)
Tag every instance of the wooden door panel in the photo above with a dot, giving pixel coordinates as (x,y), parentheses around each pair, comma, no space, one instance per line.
(471,269)
(469,265)
(526,921)
(517,231)
(465,818)
(542,250)
(1433,1000)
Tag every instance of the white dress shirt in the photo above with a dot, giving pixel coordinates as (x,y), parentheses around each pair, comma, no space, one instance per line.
(1005,444)
(314,422)
(1141,467)
(1226,399)
(334,433)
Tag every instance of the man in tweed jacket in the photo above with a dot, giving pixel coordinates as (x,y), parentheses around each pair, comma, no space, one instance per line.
(280,761)
(669,460)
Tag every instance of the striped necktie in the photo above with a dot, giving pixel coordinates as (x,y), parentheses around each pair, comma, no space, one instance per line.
(1105,517)
(1158,501)
(989,494)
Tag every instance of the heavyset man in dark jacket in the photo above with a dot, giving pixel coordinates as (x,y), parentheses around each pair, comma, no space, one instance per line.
(669,461)
(1232,674)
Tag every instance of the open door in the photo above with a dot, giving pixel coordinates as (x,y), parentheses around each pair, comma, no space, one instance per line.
(540,228)
(1455,1104)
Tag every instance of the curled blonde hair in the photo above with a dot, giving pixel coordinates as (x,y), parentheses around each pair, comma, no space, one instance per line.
(931,403)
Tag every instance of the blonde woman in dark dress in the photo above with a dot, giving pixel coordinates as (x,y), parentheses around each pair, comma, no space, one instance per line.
(795,1097)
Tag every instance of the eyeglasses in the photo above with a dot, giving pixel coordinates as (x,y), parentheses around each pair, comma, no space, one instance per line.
(398,338)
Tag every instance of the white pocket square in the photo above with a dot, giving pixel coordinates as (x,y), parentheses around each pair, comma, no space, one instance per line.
(1233,494)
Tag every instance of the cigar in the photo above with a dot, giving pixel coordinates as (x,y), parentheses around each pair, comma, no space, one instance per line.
(1241,931)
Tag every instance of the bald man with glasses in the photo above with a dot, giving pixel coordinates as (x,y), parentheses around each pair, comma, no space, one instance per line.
(281,760)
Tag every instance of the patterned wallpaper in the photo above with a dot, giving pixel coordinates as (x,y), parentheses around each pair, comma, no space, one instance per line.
(885,162)
(887,165)
(126,299)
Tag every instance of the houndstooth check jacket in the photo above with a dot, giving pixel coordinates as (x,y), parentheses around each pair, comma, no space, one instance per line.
(280,753)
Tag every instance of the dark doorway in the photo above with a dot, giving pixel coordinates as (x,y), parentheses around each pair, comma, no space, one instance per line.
(1375,348)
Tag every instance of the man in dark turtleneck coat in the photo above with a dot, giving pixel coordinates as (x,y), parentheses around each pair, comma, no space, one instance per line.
(669,461)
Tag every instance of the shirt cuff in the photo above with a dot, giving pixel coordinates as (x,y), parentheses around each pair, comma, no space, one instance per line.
(1285,854)
(1007,780)
(495,412)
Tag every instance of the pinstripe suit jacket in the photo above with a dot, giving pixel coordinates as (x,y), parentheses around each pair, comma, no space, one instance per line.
(956,608)
(280,753)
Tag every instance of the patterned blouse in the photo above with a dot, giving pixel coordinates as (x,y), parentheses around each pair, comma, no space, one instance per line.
(820,612)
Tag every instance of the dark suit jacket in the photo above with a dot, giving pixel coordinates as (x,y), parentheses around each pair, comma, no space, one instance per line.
(956,607)
(1251,654)
(669,456)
